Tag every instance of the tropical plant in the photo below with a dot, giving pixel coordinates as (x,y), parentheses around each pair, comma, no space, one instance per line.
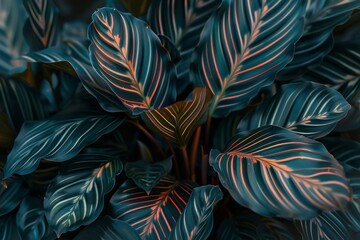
(180,119)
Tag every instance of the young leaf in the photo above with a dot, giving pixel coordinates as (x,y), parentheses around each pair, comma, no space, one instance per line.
(131,61)
(276,172)
(317,41)
(147,174)
(196,222)
(242,47)
(152,216)
(8,229)
(182,21)
(12,192)
(309,109)
(178,121)
(76,196)
(108,228)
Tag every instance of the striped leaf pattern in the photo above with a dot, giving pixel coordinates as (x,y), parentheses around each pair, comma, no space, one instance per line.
(242,47)
(276,172)
(322,16)
(147,174)
(178,121)
(108,228)
(41,29)
(12,192)
(196,222)
(310,109)
(182,21)
(58,139)
(76,196)
(12,44)
(8,228)
(131,61)
(153,216)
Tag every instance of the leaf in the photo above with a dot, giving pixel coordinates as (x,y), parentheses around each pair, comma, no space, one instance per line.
(152,216)
(41,28)
(137,7)
(109,229)
(146,174)
(276,172)
(317,40)
(196,222)
(242,47)
(76,196)
(8,229)
(12,192)
(58,139)
(181,21)
(178,121)
(226,129)
(131,61)
(12,44)
(7,134)
(30,220)
(309,109)
(19,102)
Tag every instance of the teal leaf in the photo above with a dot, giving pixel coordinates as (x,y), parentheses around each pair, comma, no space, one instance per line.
(148,174)
(226,129)
(76,196)
(108,228)
(12,44)
(12,192)
(242,47)
(20,102)
(153,216)
(8,229)
(131,61)
(322,16)
(182,22)
(309,109)
(275,172)
(31,221)
(196,222)
(41,29)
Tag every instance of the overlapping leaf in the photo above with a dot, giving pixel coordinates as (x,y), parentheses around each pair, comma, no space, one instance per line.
(276,172)
(196,222)
(182,21)
(108,228)
(310,109)
(137,7)
(8,229)
(131,61)
(76,196)
(12,44)
(41,28)
(242,47)
(146,174)
(322,16)
(12,192)
(178,121)
(7,134)
(152,216)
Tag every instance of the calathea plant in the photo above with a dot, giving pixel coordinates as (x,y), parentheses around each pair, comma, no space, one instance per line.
(218,119)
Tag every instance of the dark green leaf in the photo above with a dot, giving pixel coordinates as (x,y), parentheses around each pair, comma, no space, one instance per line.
(146,174)
(7,133)
(309,109)
(196,222)
(276,172)
(226,129)
(12,192)
(242,47)
(152,216)
(76,196)
(8,229)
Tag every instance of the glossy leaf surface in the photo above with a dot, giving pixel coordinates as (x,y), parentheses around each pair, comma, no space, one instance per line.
(12,192)
(242,47)
(152,216)
(131,61)
(309,109)
(76,196)
(147,174)
(8,229)
(196,222)
(276,172)
(178,121)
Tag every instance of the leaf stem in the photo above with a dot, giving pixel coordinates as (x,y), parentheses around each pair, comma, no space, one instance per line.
(186,160)
(207,134)
(175,160)
(193,153)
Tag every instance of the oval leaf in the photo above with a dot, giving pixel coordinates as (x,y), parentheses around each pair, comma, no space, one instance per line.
(276,172)
(309,109)
(196,222)
(152,216)
(76,196)
(242,47)
(146,174)
(131,61)
(8,229)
